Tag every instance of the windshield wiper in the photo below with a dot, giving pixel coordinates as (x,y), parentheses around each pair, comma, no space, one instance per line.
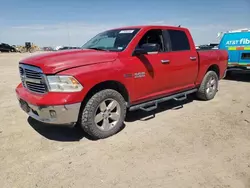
(97,49)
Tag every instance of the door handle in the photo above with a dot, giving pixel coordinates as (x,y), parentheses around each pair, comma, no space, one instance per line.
(193,58)
(165,61)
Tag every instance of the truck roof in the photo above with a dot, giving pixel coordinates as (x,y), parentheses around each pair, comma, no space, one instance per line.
(150,26)
(239,30)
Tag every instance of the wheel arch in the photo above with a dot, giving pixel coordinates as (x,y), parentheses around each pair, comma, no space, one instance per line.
(108,84)
(215,68)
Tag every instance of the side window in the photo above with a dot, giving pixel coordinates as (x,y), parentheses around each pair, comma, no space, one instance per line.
(152,36)
(179,40)
(245,56)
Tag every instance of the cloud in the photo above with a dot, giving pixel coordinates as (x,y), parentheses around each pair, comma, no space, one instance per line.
(53,35)
(207,33)
(77,33)
(203,33)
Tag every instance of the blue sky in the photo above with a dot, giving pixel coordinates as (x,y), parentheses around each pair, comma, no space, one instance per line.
(64,22)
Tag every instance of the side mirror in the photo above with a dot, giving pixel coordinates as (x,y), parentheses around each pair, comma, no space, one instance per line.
(145,48)
(139,51)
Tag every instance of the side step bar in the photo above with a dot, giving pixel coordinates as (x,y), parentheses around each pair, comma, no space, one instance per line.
(152,105)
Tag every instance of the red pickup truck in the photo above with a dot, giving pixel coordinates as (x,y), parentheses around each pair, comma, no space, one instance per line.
(121,69)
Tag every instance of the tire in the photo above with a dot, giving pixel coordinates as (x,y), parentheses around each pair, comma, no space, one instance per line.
(229,74)
(207,90)
(95,105)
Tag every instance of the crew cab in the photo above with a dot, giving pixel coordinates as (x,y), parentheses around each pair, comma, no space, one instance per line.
(118,70)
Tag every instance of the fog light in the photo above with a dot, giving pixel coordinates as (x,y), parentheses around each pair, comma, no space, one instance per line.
(52,113)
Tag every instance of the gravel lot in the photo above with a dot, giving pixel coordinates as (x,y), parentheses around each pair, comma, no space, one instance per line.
(203,144)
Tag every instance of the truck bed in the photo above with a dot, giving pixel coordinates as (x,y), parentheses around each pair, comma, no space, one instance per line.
(208,56)
(205,49)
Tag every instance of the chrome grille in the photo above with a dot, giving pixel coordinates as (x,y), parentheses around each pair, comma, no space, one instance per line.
(32,78)
(32,74)
(21,70)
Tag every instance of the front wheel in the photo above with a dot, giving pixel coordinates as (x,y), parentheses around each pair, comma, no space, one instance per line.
(208,87)
(104,114)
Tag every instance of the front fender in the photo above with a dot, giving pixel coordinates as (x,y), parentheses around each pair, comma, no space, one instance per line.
(92,75)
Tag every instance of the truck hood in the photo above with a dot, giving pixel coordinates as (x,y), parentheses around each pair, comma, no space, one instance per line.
(53,62)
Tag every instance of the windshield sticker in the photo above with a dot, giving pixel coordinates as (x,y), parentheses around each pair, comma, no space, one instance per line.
(120,48)
(126,31)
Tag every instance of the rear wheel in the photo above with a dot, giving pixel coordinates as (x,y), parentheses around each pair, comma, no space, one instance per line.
(104,114)
(208,87)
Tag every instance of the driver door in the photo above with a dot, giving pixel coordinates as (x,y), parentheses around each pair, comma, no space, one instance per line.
(149,68)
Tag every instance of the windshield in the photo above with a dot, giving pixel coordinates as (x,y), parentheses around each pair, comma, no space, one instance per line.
(111,40)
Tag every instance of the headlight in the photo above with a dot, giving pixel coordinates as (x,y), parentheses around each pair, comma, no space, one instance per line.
(63,84)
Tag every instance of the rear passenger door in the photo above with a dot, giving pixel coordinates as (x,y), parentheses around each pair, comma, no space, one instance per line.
(183,60)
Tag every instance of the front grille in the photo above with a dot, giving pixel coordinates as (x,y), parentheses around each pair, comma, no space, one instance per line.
(21,70)
(32,74)
(32,78)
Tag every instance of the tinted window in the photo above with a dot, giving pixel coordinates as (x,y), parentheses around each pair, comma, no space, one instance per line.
(245,56)
(153,36)
(179,40)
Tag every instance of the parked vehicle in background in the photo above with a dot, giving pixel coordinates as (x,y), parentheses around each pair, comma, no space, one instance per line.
(121,69)
(57,48)
(237,43)
(28,47)
(47,49)
(207,46)
(7,48)
(68,48)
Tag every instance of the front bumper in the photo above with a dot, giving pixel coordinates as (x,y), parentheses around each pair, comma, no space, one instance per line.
(59,114)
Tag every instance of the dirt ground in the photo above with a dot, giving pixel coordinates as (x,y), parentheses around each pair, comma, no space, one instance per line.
(203,144)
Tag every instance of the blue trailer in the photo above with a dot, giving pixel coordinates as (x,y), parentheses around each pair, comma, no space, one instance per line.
(238,45)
